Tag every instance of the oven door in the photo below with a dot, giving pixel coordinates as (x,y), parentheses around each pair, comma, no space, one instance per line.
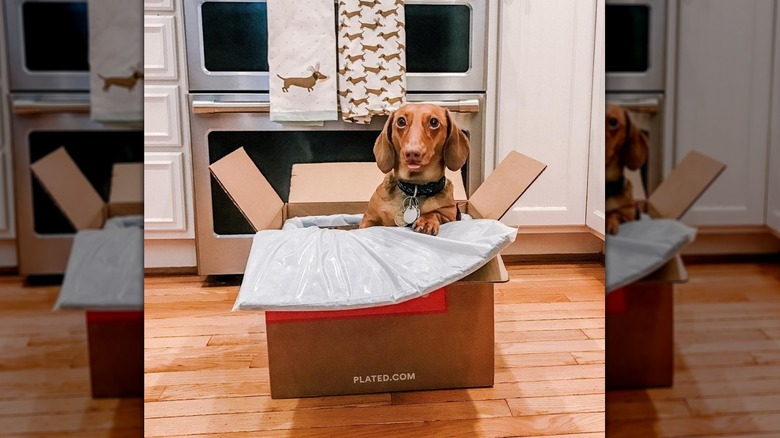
(227,45)
(223,123)
(47,44)
(634,36)
(40,124)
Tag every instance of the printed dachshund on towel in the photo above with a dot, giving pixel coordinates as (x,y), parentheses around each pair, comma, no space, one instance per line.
(128,82)
(417,142)
(626,147)
(307,82)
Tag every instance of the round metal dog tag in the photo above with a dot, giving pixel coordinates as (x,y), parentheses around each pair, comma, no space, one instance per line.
(411,214)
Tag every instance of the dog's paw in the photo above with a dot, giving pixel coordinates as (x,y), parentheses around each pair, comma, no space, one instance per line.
(613,224)
(427,225)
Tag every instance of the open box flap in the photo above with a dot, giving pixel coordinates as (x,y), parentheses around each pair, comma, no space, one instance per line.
(505,185)
(687,182)
(127,190)
(70,189)
(249,190)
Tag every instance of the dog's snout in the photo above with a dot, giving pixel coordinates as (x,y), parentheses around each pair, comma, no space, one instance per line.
(413,154)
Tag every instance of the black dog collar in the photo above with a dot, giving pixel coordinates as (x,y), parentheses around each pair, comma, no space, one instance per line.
(428,189)
(615,188)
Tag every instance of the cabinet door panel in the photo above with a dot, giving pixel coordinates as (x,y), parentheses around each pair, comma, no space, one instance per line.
(164,199)
(161,115)
(159,48)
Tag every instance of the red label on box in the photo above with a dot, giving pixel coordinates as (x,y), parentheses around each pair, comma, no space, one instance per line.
(434,302)
(114,315)
(616,301)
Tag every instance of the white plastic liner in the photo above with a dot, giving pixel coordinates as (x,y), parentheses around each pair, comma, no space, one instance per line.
(105,268)
(641,247)
(304,267)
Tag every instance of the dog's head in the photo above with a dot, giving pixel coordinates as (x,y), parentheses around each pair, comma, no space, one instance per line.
(626,144)
(418,141)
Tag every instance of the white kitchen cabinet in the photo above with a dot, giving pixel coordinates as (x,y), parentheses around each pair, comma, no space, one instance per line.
(596,215)
(545,104)
(158,5)
(723,78)
(773,176)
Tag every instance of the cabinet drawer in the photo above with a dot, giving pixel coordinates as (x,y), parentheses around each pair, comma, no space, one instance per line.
(164,200)
(160,48)
(162,123)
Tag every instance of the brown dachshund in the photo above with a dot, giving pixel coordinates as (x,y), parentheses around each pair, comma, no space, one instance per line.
(626,147)
(122,81)
(307,82)
(416,144)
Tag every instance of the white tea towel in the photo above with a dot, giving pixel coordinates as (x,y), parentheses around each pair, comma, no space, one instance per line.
(116,60)
(372,58)
(302,68)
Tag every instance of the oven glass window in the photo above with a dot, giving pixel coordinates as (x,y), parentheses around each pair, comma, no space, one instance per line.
(55,36)
(626,36)
(438,38)
(235,36)
(88,150)
(274,153)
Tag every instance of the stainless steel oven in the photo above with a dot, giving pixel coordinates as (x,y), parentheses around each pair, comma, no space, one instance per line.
(48,47)
(635,45)
(227,45)
(221,123)
(40,124)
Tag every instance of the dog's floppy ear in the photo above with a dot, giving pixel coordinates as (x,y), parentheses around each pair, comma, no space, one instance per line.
(635,150)
(456,147)
(384,151)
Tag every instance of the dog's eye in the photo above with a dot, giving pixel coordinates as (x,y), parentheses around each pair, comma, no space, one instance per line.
(434,122)
(613,122)
(401,122)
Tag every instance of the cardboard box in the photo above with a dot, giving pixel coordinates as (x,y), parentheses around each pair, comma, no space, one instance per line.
(77,198)
(116,358)
(443,340)
(640,316)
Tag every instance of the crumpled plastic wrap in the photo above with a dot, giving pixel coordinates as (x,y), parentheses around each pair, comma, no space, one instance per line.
(105,268)
(305,267)
(641,247)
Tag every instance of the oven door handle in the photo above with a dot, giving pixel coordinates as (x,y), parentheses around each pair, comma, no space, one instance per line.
(215,107)
(649,105)
(26,106)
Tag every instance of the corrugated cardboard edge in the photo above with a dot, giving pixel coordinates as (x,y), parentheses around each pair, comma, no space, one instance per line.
(494,271)
(249,190)
(127,190)
(70,189)
(510,179)
(684,185)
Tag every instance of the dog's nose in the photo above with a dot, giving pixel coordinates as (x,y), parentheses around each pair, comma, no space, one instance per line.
(412,154)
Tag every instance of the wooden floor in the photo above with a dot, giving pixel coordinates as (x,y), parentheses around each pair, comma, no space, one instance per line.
(44,374)
(727,364)
(206,368)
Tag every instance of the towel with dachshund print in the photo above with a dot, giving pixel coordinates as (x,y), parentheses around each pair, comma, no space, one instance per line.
(372,58)
(116,60)
(302,68)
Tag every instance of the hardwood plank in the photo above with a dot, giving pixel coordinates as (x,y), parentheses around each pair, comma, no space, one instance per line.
(641,410)
(533,360)
(549,426)
(562,324)
(181,341)
(589,357)
(696,426)
(256,404)
(551,346)
(540,336)
(563,372)
(735,404)
(334,417)
(556,405)
(704,360)
(503,391)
